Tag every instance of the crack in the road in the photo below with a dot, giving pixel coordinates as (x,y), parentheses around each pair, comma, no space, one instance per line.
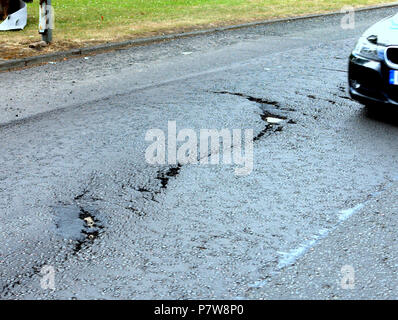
(313,97)
(346,98)
(342,89)
(250,98)
(81,195)
(164,177)
(266,114)
(269,126)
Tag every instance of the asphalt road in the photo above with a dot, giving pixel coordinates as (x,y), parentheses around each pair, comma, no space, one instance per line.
(77,194)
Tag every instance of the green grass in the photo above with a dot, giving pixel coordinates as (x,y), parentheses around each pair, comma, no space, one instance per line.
(84,22)
(83,17)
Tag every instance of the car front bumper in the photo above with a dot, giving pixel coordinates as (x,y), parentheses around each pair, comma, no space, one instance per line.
(369,82)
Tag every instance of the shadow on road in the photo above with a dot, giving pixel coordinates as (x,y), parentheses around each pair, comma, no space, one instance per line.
(387,115)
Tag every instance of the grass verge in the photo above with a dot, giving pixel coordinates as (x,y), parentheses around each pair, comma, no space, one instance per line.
(80,23)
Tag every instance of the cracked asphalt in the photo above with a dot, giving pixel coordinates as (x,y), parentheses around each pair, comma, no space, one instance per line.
(77,194)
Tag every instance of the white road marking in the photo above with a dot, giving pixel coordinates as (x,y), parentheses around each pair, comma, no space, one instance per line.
(290,257)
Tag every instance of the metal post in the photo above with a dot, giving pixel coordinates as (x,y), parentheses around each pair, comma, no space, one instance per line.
(46,20)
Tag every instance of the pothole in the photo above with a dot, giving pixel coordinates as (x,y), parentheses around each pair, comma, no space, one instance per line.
(78,224)
(270,113)
(272,118)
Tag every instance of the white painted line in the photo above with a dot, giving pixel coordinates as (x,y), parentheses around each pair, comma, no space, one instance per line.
(345,214)
(290,257)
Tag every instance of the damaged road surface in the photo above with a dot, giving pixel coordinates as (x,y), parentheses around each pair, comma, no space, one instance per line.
(78,195)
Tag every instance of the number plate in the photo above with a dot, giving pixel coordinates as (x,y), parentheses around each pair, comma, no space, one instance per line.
(394,77)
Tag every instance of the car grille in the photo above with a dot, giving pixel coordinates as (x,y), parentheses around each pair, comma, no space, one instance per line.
(392,56)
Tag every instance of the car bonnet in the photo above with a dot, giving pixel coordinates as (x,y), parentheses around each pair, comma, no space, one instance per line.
(386,31)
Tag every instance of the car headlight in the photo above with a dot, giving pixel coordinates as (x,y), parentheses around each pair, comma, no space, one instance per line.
(369,50)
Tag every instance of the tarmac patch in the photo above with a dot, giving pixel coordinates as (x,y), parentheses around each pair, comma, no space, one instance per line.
(77,224)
